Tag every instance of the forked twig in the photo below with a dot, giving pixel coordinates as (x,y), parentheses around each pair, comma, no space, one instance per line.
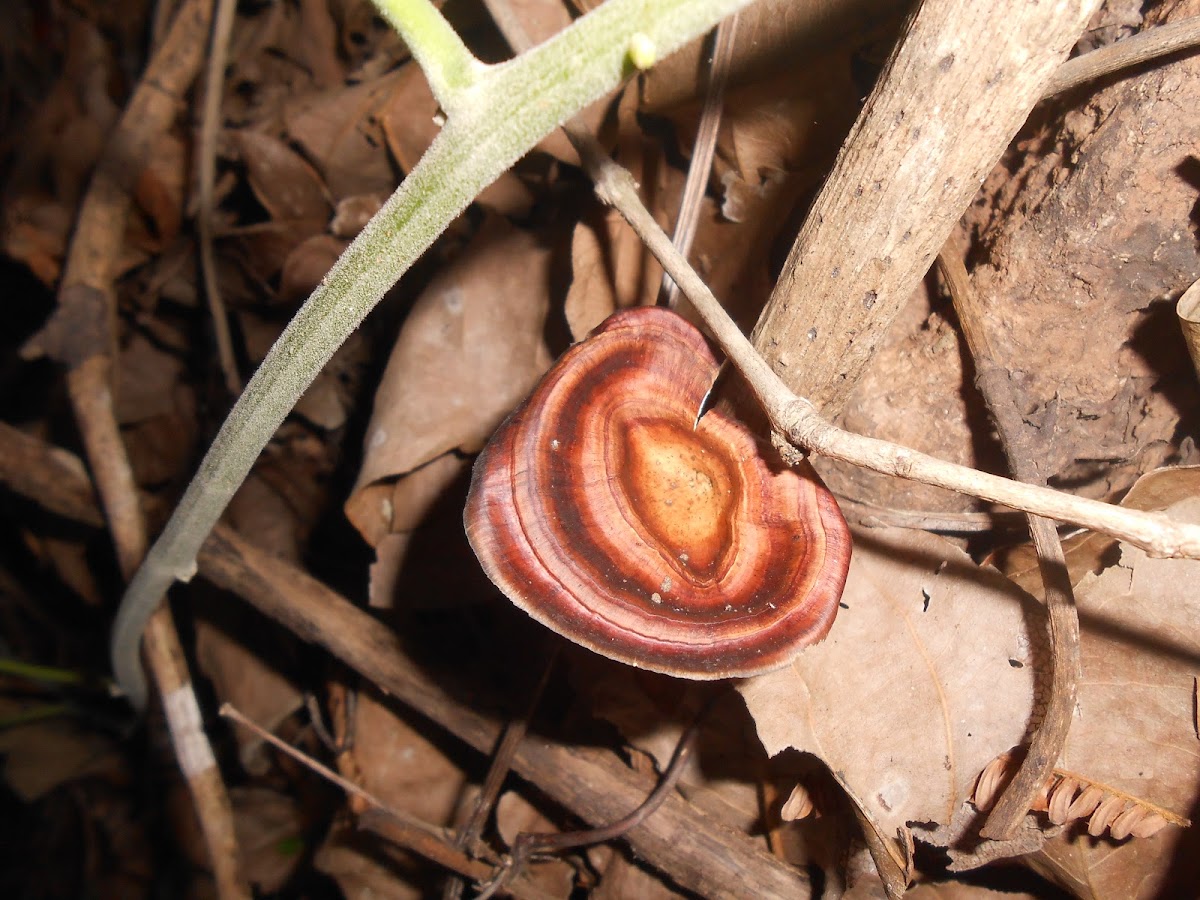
(797,424)
(81,335)
(528,844)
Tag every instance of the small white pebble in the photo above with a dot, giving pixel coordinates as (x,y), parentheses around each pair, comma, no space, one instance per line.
(655,598)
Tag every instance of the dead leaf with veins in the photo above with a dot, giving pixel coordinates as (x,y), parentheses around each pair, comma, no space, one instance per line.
(928,673)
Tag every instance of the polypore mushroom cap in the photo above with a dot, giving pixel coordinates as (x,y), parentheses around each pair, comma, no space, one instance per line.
(602,509)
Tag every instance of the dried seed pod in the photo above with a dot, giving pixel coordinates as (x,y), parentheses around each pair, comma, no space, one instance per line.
(1085,804)
(1060,799)
(1122,826)
(991,781)
(1108,810)
(606,511)
(1149,825)
(799,804)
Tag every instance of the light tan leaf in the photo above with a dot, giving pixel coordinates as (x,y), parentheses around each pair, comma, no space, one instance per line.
(610,269)
(286,185)
(306,265)
(1134,729)
(927,674)
(340,133)
(471,348)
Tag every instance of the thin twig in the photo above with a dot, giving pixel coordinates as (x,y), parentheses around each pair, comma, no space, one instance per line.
(514,733)
(209,126)
(1016,440)
(797,423)
(700,166)
(435,844)
(82,334)
(528,844)
(1149,45)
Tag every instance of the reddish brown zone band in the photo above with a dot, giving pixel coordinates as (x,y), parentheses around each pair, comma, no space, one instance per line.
(573,556)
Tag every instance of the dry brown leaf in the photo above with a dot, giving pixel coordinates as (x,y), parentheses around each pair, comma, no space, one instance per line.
(610,269)
(306,265)
(957,890)
(363,872)
(42,756)
(270,835)
(516,815)
(927,675)
(241,675)
(353,213)
(471,348)
(409,116)
(408,501)
(1134,728)
(262,250)
(147,378)
(35,229)
(402,767)
(340,134)
(159,190)
(284,183)
(1087,551)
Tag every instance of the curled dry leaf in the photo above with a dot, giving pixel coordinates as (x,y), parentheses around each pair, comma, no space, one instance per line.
(799,805)
(284,183)
(610,270)
(472,346)
(340,133)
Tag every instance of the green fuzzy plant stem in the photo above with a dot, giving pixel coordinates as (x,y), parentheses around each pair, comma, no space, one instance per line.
(496,115)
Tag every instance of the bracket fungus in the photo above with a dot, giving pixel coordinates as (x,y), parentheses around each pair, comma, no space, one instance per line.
(603,509)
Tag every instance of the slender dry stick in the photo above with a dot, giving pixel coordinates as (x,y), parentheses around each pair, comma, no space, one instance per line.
(510,740)
(435,844)
(209,126)
(1021,451)
(528,843)
(1149,45)
(700,166)
(82,335)
(694,848)
(873,516)
(797,423)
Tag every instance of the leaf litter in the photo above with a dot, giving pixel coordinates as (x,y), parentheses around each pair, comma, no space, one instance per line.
(933,669)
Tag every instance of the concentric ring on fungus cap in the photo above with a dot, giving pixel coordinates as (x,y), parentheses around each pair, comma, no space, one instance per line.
(598,510)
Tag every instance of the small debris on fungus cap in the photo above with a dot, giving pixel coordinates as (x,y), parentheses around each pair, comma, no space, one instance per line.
(633,498)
